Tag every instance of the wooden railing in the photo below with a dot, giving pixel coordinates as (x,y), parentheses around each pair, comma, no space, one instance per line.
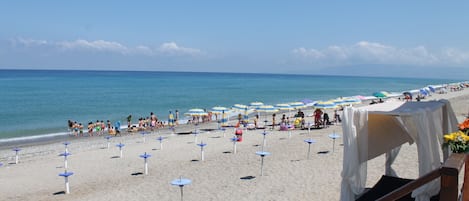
(449,173)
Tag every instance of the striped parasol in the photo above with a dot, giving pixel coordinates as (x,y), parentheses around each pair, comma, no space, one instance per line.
(297,105)
(219,110)
(239,107)
(267,109)
(256,104)
(196,112)
(285,106)
(325,105)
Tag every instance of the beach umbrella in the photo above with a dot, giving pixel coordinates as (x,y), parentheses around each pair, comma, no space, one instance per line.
(256,104)
(264,133)
(298,105)
(339,101)
(17,157)
(333,136)
(352,100)
(161,138)
(196,112)
(143,133)
(267,109)
(234,140)
(432,89)
(365,98)
(171,119)
(66,146)
(145,156)
(120,145)
(224,119)
(262,154)
(284,107)
(380,94)
(219,109)
(406,93)
(246,115)
(108,140)
(325,105)
(423,92)
(307,101)
(309,141)
(196,133)
(67,185)
(202,145)
(239,107)
(181,182)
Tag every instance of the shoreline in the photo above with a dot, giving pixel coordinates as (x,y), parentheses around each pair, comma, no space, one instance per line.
(28,139)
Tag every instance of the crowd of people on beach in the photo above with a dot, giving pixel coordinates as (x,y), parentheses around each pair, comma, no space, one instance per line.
(144,123)
(93,128)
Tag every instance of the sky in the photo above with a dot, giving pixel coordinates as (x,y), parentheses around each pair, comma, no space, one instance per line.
(369,38)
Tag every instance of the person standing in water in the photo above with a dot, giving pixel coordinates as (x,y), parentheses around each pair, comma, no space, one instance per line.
(129,121)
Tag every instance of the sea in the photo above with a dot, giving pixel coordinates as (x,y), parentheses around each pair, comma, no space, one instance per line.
(38,103)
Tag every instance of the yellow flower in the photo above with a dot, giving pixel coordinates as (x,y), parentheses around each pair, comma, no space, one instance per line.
(449,137)
(464,137)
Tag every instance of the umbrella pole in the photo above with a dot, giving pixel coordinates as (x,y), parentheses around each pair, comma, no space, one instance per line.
(262,165)
(263,143)
(182,192)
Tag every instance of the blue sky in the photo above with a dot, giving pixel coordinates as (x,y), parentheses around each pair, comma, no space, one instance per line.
(373,38)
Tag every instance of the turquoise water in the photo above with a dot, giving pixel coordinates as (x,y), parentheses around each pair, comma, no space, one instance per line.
(38,102)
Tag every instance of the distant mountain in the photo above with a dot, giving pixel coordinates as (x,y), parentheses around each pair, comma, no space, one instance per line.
(397,71)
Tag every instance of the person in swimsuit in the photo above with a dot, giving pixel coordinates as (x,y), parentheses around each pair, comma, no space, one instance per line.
(97,127)
(80,128)
(75,129)
(90,128)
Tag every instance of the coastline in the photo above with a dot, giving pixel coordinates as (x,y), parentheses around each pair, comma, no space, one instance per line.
(288,174)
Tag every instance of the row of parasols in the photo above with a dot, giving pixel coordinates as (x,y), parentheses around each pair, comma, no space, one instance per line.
(260,107)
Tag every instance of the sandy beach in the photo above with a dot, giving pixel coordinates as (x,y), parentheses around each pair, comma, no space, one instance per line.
(99,174)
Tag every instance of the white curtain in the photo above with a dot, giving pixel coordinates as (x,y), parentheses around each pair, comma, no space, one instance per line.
(390,158)
(353,172)
(432,125)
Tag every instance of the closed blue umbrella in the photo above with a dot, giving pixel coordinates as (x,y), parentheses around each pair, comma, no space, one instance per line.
(423,92)
(432,89)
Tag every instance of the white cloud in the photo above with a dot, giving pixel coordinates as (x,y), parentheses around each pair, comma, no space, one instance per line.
(365,52)
(312,53)
(99,45)
(27,42)
(165,49)
(172,48)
